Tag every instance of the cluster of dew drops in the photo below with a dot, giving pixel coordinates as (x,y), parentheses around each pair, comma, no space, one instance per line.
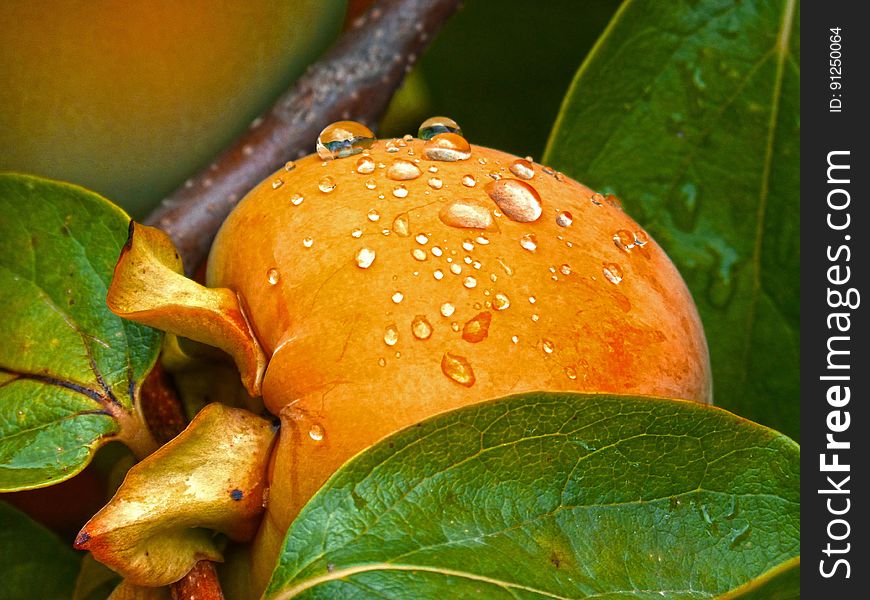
(514,197)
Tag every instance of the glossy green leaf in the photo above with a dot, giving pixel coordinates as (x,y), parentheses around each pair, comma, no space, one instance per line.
(69,369)
(35,564)
(690,112)
(552,496)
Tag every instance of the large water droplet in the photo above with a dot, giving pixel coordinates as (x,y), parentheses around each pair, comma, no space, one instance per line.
(273,276)
(529,242)
(391,335)
(624,240)
(365,165)
(365,257)
(447,147)
(401,225)
(612,272)
(343,138)
(421,327)
(466,214)
(522,169)
(457,369)
(564,218)
(477,328)
(435,125)
(517,199)
(403,170)
(326,184)
(316,433)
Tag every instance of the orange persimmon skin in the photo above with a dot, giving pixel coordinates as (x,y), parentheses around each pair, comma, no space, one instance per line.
(335,376)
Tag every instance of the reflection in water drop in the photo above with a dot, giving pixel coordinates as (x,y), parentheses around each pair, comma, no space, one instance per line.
(447,147)
(457,369)
(435,125)
(343,138)
(477,328)
(518,200)
(421,328)
(365,257)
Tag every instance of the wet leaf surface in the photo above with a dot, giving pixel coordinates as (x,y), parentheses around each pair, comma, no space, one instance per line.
(690,112)
(69,369)
(553,496)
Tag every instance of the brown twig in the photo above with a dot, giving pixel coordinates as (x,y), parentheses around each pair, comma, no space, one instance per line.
(200,584)
(354,80)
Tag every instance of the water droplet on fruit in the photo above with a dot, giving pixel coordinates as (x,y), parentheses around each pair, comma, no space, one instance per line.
(371,184)
(398,297)
(374,215)
(548,346)
(436,251)
(529,242)
(470,282)
(421,327)
(467,245)
(343,138)
(477,328)
(326,185)
(624,240)
(365,165)
(365,257)
(466,214)
(418,254)
(469,181)
(517,199)
(435,125)
(571,373)
(401,225)
(508,270)
(455,268)
(447,147)
(447,309)
(356,233)
(612,272)
(565,269)
(316,433)
(273,276)
(522,169)
(458,369)
(391,335)
(403,170)
(308,242)
(641,238)
(277,183)
(289,165)
(438,274)
(564,218)
(400,191)
(296,199)
(500,301)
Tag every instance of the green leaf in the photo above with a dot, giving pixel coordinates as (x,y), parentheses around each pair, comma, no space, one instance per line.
(69,369)
(552,496)
(690,111)
(36,564)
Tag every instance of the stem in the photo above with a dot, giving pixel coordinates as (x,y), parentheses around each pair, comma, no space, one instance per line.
(354,80)
(201,583)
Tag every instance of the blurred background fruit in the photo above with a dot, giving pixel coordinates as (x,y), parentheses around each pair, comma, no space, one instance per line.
(130,98)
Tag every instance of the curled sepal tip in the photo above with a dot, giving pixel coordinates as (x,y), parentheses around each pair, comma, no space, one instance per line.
(162,519)
(149,287)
